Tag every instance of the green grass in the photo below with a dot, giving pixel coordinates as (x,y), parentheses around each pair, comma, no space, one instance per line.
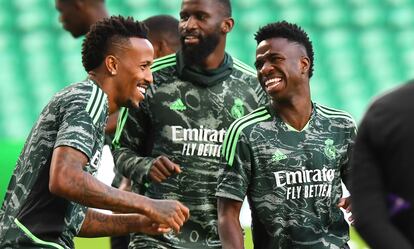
(103,243)
(9,153)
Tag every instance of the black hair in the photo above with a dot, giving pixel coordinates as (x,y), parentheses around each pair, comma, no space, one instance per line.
(290,31)
(163,27)
(227,7)
(104,34)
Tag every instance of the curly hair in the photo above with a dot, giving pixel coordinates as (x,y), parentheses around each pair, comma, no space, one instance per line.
(107,33)
(290,31)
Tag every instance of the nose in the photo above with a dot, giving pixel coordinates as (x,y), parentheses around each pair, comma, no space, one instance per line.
(190,24)
(266,68)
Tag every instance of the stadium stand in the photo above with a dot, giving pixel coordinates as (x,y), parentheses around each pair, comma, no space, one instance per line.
(362,48)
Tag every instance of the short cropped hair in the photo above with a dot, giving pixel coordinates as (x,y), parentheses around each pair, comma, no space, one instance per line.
(227,7)
(163,27)
(106,33)
(290,31)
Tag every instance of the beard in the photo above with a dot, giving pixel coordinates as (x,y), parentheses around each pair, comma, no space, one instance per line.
(196,54)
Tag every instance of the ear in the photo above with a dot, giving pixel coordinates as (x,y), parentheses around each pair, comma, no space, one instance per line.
(227,25)
(304,65)
(111,65)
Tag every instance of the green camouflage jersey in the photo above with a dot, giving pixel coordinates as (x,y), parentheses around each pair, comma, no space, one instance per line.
(292,178)
(31,216)
(185,121)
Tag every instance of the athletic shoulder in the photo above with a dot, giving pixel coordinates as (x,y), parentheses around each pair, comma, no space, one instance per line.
(240,126)
(335,115)
(164,63)
(244,69)
(395,99)
(79,91)
(83,96)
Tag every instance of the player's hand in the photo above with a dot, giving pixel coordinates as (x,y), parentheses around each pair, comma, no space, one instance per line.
(345,203)
(169,212)
(162,168)
(148,226)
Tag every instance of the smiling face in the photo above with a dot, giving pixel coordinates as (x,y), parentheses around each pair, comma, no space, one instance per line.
(282,67)
(133,74)
(200,28)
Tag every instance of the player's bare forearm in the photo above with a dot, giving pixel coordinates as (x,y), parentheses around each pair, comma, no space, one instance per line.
(68,180)
(97,224)
(230,232)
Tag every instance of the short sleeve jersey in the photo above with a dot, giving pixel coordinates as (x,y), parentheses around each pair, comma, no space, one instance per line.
(292,178)
(187,122)
(31,216)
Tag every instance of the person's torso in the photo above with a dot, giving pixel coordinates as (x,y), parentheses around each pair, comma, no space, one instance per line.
(188,124)
(31,215)
(295,181)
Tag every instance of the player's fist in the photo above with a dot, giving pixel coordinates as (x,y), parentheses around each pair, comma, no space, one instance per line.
(168,212)
(162,168)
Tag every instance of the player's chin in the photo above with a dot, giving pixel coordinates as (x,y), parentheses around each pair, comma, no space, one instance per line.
(134,103)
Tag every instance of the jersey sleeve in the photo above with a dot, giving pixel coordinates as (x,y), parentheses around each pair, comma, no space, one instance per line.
(345,165)
(76,126)
(234,177)
(131,145)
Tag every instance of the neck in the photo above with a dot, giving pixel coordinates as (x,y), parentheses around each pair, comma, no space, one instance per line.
(215,59)
(295,111)
(98,13)
(105,84)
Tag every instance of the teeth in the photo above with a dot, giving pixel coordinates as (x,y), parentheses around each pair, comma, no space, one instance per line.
(190,37)
(274,80)
(141,89)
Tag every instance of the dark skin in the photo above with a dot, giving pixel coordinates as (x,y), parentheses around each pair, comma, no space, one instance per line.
(162,44)
(121,76)
(97,224)
(161,48)
(231,235)
(283,71)
(201,18)
(77,16)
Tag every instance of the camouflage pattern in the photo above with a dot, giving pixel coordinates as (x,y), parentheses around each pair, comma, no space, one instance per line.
(186,122)
(292,178)
(75,117)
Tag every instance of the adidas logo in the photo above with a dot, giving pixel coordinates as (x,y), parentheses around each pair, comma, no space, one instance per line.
(278,155)
(178,105)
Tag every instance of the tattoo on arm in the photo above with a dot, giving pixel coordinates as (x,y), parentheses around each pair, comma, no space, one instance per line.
(99,224)
(79,186)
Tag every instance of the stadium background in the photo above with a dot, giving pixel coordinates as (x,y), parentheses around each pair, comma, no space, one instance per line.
(362,48)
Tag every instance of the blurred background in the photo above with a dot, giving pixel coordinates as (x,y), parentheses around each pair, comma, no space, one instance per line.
(362,48)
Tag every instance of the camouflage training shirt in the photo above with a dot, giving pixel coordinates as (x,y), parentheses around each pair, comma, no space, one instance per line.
(185,121)
(32,217)
(292,178)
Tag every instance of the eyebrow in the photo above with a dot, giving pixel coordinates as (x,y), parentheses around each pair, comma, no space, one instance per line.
(146,62)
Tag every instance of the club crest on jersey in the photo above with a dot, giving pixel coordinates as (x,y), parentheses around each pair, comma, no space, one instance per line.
(237,111)
(329,150)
